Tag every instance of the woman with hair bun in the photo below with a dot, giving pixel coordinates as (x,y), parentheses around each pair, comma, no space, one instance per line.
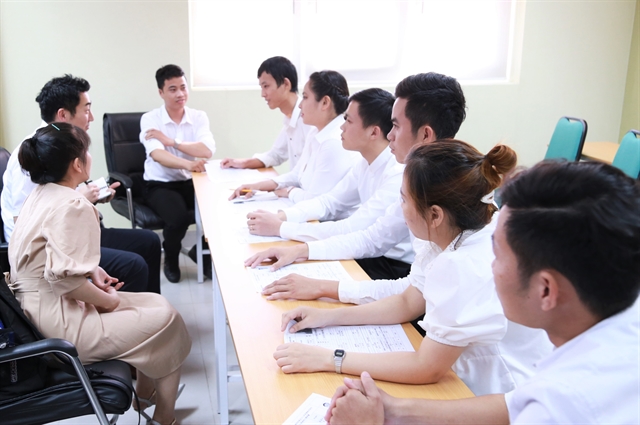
(324,162)
(447,195)
(54,255)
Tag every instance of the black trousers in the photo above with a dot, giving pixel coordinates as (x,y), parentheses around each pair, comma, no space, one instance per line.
(384,268)
(132,256)
(174,203)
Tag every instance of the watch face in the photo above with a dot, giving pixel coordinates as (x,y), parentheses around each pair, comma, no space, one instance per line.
(338,353)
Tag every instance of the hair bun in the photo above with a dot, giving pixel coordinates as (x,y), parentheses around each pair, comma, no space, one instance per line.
(500,160)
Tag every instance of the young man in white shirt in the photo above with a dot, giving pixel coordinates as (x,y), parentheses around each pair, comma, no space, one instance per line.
(131,255)
(427,107)
(374,182)
(567,261)
(177,140)
(278,81)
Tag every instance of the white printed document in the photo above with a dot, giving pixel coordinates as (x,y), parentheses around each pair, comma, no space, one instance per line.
(359,339)
(311,412)
(231,175)
(326,270)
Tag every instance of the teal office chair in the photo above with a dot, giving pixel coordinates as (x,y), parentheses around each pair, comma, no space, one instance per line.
(567,139)
(628,156)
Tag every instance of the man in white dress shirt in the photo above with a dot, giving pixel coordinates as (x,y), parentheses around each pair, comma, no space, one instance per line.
(131,255)
(428,107)
(567,261)
(278,81)
(370,187)
(177,140)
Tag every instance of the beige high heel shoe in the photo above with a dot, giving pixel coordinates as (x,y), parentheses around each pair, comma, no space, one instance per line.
(149,402)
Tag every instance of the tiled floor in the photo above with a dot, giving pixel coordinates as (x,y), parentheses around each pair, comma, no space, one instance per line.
(198,404)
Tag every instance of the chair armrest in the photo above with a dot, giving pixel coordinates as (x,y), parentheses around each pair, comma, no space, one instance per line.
(122,178)
(37,348)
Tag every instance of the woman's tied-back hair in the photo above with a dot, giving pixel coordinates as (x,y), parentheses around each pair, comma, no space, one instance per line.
(456,176)
(46,156)
(332,84)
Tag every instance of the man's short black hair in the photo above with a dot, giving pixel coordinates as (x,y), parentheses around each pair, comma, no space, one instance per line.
(61,92)
(168,72)
(581,219)
(435,100)
(280,68)
(374,108)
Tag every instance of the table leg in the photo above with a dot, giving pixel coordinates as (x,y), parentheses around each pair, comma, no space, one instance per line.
(220,341)
(199,233)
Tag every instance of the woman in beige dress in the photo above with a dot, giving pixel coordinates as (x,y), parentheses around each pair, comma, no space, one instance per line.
(54,255)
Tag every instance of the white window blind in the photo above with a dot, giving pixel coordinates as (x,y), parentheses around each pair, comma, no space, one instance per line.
(371,42)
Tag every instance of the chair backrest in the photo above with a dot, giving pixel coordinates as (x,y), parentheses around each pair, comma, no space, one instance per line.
(628,155)
(123,150)
(4,159)
(567,139)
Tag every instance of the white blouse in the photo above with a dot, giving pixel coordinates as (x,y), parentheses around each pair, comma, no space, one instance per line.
(323,163)
(462,309)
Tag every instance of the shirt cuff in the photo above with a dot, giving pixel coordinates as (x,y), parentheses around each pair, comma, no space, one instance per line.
(266,159)
(288,230)
(295,215)
(295,195)
(348,291)
(317,250)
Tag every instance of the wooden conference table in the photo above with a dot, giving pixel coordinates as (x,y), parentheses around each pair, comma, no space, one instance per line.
(254,323)
(600,151)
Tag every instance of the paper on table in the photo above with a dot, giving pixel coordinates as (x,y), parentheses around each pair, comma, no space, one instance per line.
(231,175)
(240,210)
(243,236)
(328,270)
(311,412)
(258,196)
(359,339)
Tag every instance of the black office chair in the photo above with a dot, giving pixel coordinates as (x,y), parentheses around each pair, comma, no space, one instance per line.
(4,246)
(68,389)
(125,163)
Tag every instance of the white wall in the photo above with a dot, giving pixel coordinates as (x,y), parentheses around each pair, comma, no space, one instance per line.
(574,62)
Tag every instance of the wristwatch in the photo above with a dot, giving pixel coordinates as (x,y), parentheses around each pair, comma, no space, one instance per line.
(176,142)
(338,358)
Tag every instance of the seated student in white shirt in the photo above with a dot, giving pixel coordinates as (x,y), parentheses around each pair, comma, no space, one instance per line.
(373,182)
(428,107)
(446,194)
(176,139)
(323,162)
(279,83)
(567,249)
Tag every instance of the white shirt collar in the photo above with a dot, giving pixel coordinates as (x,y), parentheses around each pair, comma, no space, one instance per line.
(381,159)
(629,314)
(295,114)
(166,119)
(328,132)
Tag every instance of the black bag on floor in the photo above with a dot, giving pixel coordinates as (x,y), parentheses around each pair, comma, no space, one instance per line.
(19,376)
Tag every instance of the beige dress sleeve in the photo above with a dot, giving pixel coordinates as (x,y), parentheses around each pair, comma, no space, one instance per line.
(72,234)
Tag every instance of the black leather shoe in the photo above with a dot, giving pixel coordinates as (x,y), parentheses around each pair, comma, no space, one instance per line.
(172,272)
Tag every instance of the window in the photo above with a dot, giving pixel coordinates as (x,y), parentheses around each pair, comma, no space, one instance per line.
(371,42)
